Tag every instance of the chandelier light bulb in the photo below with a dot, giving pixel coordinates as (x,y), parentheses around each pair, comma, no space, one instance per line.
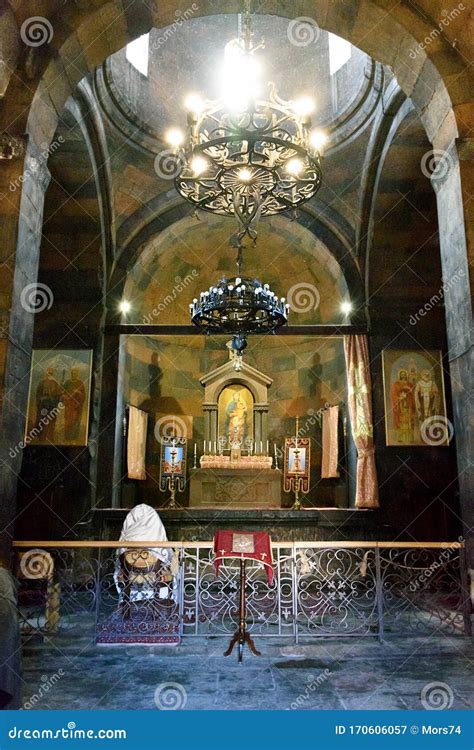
(295,167)
(194,103)
(303,106)
(125,306)
(174,137)
(240,79)
(245,174)
(346,307)
(198,165)
(236,101)
(318,139)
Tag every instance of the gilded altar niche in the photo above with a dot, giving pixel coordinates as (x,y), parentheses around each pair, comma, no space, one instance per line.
(235,469)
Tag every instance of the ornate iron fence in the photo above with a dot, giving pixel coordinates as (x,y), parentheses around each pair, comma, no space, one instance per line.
(319,589)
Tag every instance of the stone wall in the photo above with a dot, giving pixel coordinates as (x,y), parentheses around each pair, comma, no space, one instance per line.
(162,378)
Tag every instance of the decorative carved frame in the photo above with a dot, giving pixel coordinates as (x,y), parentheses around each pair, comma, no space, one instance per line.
(257,383)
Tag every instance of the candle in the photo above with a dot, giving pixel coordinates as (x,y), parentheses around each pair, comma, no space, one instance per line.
(267,447)
(261,447)
(215,447)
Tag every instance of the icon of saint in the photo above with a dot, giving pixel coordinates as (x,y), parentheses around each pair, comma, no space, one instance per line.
(403,408)
(426,397)
(236,414)
(73,397)
(48,398)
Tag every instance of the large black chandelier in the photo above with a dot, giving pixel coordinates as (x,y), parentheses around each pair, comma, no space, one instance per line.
(246,155)
(239,306)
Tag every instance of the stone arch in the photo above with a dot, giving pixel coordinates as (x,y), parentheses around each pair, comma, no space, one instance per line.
(326,226)
(438,82)
(82,38)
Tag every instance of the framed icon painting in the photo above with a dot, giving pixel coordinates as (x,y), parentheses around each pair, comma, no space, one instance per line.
(415,403)
(59,397)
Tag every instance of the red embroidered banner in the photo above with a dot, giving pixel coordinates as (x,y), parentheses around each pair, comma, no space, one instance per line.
(249,545)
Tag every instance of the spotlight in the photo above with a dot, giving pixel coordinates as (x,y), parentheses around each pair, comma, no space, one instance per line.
(346,307)
(125,306)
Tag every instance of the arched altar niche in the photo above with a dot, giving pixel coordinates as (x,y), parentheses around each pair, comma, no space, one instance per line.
(215,384)
(235,415)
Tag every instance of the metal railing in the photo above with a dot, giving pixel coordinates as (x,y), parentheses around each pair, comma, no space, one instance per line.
(320,589)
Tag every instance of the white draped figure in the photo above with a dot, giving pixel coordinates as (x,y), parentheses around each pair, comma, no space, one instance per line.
(143,524)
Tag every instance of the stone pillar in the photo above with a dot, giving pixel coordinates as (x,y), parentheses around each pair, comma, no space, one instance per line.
(263,410)
(210,426)
(454,175)
(120,465)
(103,435)
(23,182)
(214,426)
(257,427)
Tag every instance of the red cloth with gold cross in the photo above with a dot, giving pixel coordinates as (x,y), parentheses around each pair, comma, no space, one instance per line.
(247,545)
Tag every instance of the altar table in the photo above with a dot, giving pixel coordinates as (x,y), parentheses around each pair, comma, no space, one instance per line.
(231,487)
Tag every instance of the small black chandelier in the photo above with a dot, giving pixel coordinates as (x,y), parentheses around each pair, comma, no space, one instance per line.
(246,155)
(239,306)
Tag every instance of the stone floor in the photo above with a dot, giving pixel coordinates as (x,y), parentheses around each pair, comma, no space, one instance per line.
(350,673)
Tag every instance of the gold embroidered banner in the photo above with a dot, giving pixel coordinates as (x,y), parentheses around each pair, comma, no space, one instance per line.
(360,413)
(330,440)
(136,443)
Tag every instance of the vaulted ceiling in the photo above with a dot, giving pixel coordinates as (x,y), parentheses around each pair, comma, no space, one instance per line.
(107,200)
